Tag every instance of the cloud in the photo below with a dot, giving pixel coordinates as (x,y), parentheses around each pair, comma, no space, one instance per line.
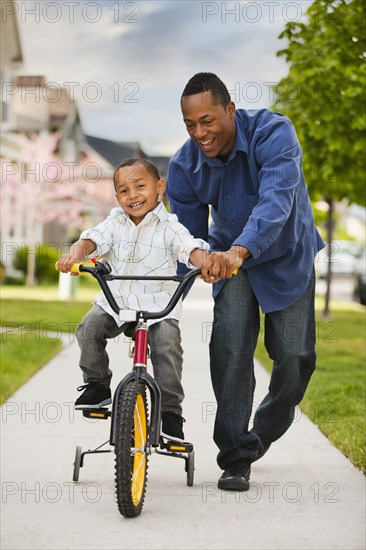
(136,57)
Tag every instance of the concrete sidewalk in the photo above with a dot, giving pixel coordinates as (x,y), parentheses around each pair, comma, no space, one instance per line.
(304,493)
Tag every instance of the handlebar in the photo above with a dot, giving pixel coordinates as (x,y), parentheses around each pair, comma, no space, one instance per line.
(101,271)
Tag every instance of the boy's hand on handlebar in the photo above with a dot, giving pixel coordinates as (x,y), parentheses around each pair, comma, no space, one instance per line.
(65,262)
(223,265)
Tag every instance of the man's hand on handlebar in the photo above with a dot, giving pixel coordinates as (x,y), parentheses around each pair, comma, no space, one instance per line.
(223,265)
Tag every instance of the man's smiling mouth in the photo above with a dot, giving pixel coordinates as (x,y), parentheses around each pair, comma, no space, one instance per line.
(207,143)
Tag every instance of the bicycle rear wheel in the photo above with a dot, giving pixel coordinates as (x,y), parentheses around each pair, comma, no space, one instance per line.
(131,453)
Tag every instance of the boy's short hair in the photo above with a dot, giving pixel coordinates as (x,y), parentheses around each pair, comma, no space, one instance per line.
(208,82)
(150,166)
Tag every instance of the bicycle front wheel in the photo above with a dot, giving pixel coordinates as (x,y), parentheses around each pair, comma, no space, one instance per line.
(131,449)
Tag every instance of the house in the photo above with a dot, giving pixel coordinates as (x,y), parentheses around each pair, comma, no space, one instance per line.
(36,109)
(31,106)
(11,59)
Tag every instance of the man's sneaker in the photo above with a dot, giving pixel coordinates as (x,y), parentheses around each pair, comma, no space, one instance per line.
(94,396)
(172,426)
(236,476)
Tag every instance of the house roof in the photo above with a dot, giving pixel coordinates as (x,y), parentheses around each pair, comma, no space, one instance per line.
(161,164)
(114,152)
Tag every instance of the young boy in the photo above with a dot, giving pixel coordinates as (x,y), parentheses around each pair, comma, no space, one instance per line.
(142,238)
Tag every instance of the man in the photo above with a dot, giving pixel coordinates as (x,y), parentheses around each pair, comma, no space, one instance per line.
(246,166)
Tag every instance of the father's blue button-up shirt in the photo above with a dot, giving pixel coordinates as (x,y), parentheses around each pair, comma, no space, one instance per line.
(258,200)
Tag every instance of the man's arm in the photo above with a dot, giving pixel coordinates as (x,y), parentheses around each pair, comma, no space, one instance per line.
(279,155)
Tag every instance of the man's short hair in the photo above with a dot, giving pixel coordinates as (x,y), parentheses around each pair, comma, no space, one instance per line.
(208,82)
(138,161)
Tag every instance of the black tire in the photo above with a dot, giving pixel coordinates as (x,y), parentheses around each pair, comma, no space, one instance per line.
(77,463)
(190,469)
(130,465)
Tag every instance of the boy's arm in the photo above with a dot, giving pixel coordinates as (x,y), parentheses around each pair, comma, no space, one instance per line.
(198,257)
(78,251)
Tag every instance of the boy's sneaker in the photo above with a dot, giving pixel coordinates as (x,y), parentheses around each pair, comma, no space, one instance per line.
(172,426)
(94,396)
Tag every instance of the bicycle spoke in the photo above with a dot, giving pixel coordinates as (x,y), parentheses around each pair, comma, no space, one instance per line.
(141,463)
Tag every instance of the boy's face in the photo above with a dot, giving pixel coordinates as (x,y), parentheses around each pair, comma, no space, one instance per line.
(137,191)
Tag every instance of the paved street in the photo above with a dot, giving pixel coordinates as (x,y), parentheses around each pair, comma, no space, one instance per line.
(304,493)
(342,288)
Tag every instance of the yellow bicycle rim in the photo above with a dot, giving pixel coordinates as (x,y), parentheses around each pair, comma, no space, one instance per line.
(138,455)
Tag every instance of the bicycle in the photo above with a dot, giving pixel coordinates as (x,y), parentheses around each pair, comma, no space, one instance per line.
(132,434)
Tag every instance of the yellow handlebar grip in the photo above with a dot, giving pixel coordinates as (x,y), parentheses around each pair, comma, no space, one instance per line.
(235,272)
(75,268)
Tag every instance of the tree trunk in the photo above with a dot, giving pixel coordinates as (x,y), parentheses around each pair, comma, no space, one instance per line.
(330,226)
(31,265)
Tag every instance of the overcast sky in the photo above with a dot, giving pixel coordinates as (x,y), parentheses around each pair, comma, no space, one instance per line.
(126,63)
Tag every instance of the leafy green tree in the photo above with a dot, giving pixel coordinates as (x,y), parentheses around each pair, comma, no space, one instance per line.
(324,94)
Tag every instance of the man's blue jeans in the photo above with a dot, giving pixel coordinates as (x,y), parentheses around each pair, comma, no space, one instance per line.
(289,337)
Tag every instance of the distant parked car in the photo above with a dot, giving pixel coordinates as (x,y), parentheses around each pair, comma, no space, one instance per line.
(360,278)
(343,256)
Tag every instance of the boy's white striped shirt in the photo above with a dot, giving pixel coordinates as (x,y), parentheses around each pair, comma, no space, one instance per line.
(150,248)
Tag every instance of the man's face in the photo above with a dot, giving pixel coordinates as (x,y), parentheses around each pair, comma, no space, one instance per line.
(209,124)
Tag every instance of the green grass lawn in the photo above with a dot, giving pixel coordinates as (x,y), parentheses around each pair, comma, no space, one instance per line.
(335,398)
(21,358)
(35,316)
(31,337)
(86,290)
(34,320)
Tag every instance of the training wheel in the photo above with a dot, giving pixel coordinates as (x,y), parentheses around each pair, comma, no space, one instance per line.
(190,468)
(77,464)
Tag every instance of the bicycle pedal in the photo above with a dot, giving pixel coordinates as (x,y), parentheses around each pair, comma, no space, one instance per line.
(176,446)
(102,414)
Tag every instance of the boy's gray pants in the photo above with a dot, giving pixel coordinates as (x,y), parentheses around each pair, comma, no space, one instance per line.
(165,346)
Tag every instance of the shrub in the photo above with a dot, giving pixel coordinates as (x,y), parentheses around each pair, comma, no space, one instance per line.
(46,256)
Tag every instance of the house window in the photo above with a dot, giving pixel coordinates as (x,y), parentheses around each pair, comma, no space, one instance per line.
(5,103)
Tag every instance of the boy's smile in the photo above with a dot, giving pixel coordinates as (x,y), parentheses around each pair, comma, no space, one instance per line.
(137,191)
